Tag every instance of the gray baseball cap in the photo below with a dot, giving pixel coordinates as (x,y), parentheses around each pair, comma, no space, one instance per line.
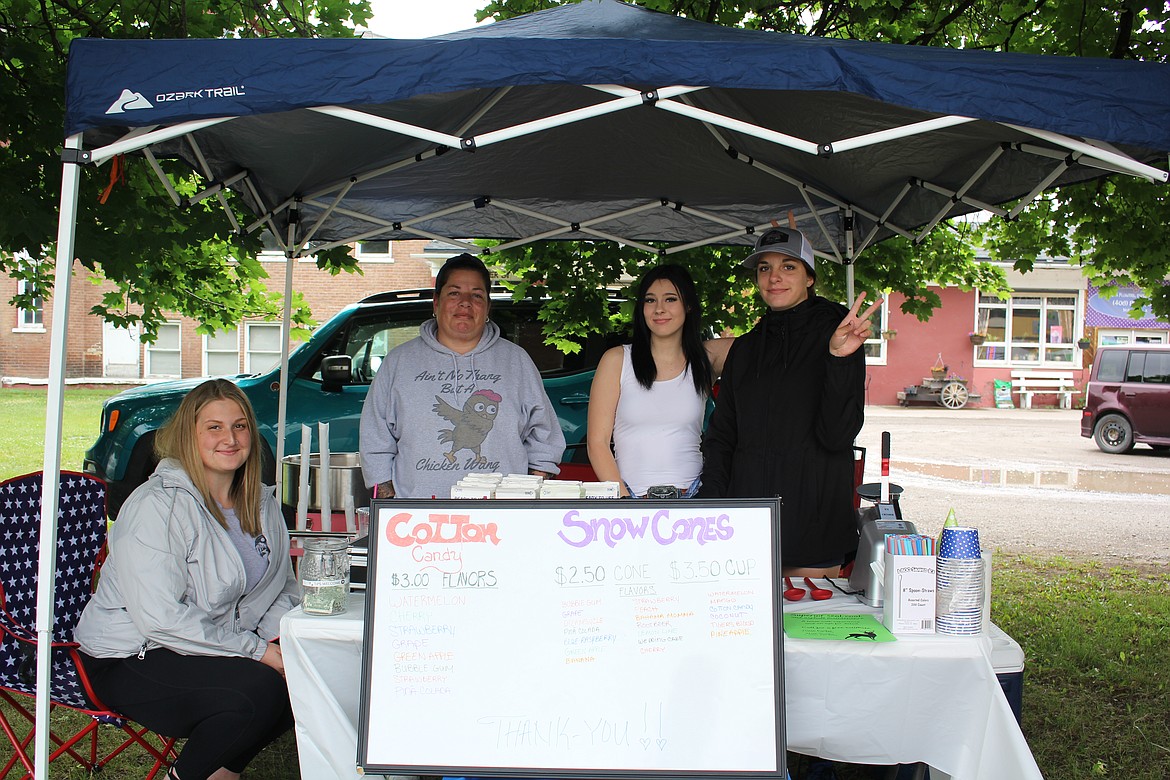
(784,241)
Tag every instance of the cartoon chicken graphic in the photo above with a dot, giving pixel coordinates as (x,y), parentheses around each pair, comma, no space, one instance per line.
(471,423)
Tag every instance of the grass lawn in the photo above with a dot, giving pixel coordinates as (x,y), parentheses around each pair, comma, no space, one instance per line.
(1096,641)
(22,427)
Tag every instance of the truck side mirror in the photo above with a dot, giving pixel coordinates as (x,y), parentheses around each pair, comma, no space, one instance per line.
(336,371)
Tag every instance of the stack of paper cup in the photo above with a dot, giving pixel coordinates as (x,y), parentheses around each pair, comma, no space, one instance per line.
(959,598)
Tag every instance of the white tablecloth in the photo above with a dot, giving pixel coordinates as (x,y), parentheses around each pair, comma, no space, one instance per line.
(322,663)
(933,699)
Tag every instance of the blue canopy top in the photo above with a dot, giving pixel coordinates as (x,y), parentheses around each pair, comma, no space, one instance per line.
(289,130)
(607,42)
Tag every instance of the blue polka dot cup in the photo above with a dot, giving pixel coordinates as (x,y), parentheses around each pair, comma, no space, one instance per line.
(959,542)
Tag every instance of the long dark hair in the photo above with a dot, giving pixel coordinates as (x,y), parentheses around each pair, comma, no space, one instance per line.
(645,371)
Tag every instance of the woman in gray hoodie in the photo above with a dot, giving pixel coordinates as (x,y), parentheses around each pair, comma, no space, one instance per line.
(456,400)
(180,635)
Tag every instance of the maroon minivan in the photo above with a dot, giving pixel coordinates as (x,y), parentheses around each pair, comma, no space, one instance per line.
(1127,400)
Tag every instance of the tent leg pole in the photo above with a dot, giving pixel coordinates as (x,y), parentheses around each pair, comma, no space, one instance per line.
(850,256)
(282,395)
(50,491)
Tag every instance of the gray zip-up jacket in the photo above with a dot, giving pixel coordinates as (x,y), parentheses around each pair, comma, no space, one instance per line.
(174,579)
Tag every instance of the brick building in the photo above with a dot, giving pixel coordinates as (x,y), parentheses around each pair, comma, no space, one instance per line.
(99,351)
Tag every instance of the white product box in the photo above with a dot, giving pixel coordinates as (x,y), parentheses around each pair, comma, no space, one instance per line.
(909,592)
(471,491)
(516,491)
(602,490)
(556,488)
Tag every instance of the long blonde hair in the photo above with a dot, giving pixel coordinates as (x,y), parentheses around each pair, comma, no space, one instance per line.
(178,439)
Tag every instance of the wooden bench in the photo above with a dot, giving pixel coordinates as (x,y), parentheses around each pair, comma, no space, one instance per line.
(1029,383)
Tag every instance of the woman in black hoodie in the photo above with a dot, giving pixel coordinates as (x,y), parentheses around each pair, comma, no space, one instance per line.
(791,402)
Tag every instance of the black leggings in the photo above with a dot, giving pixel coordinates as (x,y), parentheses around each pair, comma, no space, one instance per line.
(228,708)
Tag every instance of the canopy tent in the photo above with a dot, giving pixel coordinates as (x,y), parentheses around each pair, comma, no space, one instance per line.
(568,123)
(593,121)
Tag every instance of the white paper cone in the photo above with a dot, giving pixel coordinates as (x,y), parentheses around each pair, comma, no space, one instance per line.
(324,488)
(303,512)
(350,521)
(303,484)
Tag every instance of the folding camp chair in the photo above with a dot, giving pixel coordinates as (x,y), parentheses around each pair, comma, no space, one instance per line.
(81,537)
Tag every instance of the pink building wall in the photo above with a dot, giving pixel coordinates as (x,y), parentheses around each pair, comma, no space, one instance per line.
(917,346)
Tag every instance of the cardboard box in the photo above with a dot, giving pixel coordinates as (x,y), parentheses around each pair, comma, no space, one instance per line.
(909,593)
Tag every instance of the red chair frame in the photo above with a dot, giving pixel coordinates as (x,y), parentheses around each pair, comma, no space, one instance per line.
(162,753)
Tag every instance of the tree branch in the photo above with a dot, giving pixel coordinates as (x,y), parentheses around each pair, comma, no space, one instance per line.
(927,36)
(1014,24)
(1125,25)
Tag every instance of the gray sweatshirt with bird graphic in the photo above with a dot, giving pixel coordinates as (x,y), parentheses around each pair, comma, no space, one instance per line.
(433,415)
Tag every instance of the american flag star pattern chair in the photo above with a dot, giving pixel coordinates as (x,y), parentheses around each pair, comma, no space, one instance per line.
(81,537)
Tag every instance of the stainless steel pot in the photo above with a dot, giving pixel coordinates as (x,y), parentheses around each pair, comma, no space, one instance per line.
(345,479)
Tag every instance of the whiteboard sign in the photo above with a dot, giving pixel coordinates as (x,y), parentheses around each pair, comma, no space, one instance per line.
(573,638)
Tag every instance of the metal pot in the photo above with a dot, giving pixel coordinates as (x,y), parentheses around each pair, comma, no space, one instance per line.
(345,479)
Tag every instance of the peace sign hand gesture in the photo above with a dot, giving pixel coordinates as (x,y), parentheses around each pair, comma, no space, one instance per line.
(853,330)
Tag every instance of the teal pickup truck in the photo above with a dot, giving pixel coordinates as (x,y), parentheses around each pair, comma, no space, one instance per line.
(354,341)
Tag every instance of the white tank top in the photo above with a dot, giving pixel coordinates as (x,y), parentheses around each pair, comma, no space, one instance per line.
(656,432)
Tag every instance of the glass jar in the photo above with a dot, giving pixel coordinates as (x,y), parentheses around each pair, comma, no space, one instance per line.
(325,576)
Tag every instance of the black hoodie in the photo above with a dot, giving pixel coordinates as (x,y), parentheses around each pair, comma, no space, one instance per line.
(784,424)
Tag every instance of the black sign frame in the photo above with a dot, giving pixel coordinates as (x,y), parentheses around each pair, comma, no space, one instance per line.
(699,527)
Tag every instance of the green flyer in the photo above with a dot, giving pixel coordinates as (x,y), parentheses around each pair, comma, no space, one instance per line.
(852,628)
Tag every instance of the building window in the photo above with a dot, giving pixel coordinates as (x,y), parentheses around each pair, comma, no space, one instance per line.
(262,346)
(221,353)
(163,357)
(377,251)
(1027,329)
(1106,337)
(32,318)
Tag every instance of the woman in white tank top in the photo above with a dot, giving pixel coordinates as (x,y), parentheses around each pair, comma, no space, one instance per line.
(649,397)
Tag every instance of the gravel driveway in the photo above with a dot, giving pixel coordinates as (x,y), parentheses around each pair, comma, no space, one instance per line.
(1026,479)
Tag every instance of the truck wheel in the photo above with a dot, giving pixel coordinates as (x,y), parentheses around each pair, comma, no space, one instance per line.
(1114,434)
(267,464)
(142,465)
